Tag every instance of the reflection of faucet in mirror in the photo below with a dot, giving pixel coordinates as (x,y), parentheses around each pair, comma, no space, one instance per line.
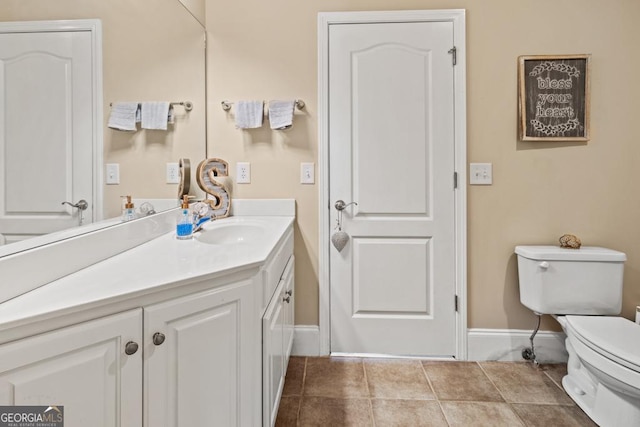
(130,72)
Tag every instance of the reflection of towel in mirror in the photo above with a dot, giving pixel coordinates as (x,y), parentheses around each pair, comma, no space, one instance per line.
(249,114)
(281,114)
(155,115)
(123,116)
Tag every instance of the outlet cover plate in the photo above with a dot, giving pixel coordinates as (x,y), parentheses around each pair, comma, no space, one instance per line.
(173,173)
(243,173)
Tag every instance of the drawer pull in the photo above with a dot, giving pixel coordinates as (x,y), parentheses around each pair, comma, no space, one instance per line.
(158,338)
(289,292)
(130,348)
(287,299)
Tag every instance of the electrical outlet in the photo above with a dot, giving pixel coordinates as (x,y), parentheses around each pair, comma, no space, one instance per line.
(243,173)
(113,173)
(307,173)
(173,173)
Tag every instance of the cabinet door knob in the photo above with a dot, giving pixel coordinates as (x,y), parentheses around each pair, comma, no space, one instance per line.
(130,348)
(289,292)
(158,338)
(286,299)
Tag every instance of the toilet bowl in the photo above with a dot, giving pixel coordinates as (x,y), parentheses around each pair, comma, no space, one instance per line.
(582,289)
(603,372)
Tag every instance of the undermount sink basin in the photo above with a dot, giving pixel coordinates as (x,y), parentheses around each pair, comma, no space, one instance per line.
(230,233)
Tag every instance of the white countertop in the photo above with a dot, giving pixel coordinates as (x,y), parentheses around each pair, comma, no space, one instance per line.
(160,263)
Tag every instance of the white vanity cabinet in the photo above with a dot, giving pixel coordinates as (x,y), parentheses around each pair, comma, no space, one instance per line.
(199,356)
(277,333)
(93,369)
(167,334)
(193,363)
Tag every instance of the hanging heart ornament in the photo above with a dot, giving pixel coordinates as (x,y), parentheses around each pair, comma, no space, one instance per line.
(340,240)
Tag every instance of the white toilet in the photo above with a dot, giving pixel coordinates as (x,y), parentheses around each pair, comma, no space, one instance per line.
(582,289)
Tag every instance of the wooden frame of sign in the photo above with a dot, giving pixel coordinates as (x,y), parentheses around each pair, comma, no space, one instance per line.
(553,97)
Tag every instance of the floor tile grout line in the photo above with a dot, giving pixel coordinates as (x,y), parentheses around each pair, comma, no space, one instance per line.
(304,377)
(435,395)
(366,384)
(492,382)
(554,381)
(513,409)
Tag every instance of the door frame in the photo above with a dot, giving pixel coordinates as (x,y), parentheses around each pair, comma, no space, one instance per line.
(94,26)
(325,20)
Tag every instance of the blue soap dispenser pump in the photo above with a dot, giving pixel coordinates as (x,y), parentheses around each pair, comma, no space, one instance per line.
(184,224)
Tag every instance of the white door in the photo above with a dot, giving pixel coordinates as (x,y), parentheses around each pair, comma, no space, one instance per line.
(93,370)
(391,150)
(46,116)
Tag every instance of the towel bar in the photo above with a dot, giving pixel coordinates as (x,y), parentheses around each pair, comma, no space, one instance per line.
(226,105)
(188,105)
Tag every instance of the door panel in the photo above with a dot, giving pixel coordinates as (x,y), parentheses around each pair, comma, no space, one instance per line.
(391,150)
(385,261)
(46,117)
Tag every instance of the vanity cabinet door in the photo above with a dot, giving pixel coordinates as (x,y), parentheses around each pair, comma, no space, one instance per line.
(277,341)
(289,312)
(91,369)
(273,356)
(199,359)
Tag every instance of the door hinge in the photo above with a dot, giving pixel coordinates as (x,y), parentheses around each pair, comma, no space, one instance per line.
(455,180)
(454,55)
(456,302)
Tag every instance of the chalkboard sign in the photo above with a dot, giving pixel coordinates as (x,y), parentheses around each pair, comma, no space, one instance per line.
(553,97)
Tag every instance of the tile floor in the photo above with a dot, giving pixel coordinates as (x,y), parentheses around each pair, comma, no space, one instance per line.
(323,391)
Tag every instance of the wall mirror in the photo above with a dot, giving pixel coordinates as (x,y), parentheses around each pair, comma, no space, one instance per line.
(152,50)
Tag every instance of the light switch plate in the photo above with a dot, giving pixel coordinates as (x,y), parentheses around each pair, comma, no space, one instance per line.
(480,174)
(307,173)
(113,174)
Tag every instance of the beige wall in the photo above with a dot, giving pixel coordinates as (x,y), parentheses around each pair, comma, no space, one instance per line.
(153,50)
(268,50)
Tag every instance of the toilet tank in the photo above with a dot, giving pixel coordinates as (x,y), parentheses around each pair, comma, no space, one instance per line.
(556,280)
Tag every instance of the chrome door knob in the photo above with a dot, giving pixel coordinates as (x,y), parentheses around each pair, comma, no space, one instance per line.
(130,348)
(158,338)
(341,205)
(82,204)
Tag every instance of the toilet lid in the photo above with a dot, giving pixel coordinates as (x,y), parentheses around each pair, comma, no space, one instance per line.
(616,338)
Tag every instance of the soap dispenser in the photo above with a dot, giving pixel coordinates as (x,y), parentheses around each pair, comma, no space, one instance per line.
(128,212)
(184,223)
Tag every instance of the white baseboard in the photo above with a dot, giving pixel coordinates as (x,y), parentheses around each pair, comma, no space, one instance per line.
(306,341)
(482,344)
(507,345)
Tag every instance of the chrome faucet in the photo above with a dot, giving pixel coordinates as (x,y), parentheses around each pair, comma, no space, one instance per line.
(200,221)
(201,215)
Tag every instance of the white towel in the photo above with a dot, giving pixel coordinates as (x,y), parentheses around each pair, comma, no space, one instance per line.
(155,115)
(281,114)
(123,116)
(249,114)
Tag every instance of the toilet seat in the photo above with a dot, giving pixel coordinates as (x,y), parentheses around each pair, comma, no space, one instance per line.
(615,338)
